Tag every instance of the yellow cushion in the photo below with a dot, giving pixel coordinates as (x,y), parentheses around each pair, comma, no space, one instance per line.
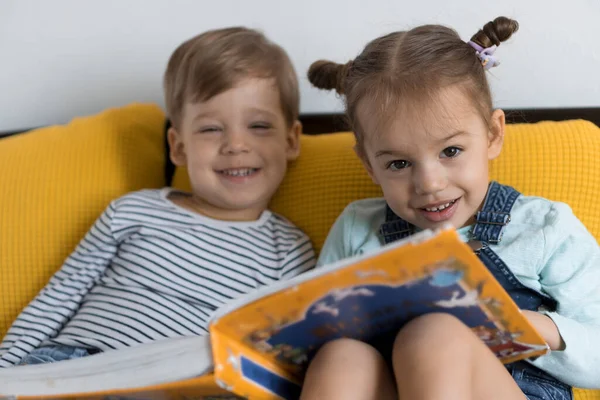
(557,160)
(586,394)
(55,181)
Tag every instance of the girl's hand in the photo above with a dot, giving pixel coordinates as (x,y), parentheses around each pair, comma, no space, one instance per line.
(547,328)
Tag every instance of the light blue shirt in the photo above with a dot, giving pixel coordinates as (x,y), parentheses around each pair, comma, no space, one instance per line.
(547,248)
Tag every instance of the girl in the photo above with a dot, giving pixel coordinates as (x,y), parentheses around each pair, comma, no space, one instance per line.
(421,109)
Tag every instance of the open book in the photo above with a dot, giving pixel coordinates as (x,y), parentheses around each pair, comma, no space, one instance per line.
(262,342)
(170,368)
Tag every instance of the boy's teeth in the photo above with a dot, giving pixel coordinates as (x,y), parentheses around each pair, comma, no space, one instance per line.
(440,208)
(239,172)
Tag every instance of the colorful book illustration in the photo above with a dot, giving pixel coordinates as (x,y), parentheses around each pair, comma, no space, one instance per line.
(261,349)
(262,343)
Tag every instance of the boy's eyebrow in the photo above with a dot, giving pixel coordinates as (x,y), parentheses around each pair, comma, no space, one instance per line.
(263,110)
(203,114)
(207,114)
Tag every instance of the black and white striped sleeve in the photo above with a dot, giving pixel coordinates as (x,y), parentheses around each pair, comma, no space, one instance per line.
(300,258)
(59,300)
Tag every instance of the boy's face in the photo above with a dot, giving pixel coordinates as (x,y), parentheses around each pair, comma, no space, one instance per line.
(432,163)
(236,147)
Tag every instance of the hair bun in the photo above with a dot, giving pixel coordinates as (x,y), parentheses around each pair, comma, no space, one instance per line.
(328,75)
(496,32)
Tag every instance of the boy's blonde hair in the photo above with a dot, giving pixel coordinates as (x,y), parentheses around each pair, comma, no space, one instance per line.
(215,61)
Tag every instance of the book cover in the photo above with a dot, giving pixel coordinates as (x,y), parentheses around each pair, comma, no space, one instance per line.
(261,349)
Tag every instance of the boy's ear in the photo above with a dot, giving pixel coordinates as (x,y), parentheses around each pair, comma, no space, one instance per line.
(293,141)
(363,158)
(176,147)
(496,134)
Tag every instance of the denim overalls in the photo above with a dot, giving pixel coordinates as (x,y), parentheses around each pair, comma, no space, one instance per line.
(487,231)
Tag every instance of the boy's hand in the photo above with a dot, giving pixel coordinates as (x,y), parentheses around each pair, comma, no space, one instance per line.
(547,328)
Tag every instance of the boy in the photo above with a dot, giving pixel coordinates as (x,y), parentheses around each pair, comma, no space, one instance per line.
(157,263)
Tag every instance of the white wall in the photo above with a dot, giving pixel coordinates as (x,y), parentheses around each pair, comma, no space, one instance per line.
(63,58)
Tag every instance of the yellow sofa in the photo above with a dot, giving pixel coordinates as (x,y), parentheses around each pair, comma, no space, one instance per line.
(55,181)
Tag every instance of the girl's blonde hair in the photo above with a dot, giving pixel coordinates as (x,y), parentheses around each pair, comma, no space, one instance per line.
(412,66)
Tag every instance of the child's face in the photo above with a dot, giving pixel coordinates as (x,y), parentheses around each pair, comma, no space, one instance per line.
(236,147)
(432,163)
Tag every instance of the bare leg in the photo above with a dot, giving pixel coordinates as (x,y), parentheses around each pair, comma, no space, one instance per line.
(438,357)
(348,369)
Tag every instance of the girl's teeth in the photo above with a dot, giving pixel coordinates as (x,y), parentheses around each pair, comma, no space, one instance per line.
(440,208)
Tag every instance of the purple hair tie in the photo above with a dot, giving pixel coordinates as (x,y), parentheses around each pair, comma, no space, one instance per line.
(486,56)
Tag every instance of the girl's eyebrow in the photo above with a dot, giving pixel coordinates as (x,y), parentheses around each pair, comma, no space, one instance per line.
(386,153)
(452,136)
(441,140)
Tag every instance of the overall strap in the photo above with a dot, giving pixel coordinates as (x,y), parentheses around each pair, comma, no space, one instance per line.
(495,213)
(394,228)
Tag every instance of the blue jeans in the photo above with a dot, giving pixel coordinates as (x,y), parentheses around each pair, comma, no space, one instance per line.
(53,353)
(538,385)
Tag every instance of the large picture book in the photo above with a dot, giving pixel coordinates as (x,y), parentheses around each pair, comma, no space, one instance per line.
(261,344)
(261,348)
(178,368)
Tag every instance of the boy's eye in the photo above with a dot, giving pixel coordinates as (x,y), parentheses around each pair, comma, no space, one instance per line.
(209,129)
(260,126)
(451,152)
(397,165)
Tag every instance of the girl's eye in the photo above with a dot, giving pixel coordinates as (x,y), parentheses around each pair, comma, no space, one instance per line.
(451,152)
(397,165)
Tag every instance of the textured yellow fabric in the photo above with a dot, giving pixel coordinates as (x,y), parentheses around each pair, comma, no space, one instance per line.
(556,160)
(583,394)
(55,181)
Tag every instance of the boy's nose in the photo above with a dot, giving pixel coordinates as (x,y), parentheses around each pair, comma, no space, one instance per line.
(234,143)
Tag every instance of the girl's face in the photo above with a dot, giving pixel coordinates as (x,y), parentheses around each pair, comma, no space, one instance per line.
(432,163)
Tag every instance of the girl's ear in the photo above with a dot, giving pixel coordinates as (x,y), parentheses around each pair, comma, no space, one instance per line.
(496,134)
(177,147)
(365,161)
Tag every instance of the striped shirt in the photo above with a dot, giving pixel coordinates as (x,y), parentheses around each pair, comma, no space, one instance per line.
(149,269)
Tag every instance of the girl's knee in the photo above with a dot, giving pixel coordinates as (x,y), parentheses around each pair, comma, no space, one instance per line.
(433,323)
(347,368)
(342,350)
(345,356)
(431,330)
(431,341)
